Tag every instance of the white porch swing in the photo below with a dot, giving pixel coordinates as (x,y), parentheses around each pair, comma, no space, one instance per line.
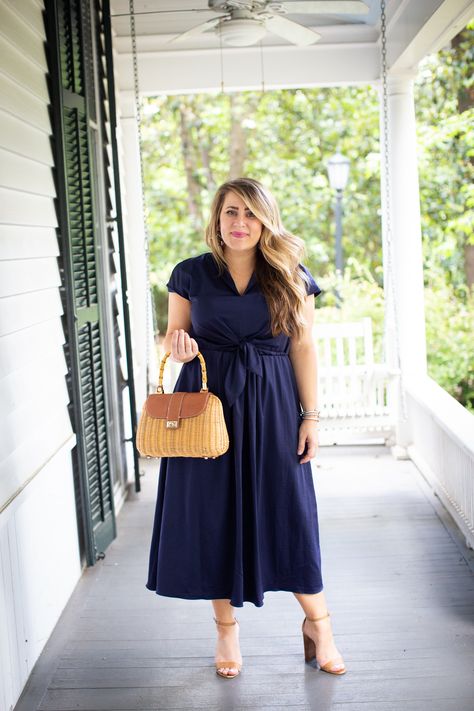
(359,399)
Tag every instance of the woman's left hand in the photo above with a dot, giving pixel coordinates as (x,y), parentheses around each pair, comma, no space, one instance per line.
(308,434)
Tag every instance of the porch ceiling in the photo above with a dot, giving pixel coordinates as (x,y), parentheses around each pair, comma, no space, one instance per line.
(347,53)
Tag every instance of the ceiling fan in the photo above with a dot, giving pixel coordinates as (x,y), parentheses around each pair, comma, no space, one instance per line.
(245,22)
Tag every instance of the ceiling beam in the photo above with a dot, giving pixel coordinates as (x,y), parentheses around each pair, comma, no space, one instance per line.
(283,68)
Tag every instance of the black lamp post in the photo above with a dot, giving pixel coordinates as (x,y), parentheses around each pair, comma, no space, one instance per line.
(338,172)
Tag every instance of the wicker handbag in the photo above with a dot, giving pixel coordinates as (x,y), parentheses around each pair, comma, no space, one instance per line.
(182,424)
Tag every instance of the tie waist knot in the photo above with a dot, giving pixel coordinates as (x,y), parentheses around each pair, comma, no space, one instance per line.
(247,356)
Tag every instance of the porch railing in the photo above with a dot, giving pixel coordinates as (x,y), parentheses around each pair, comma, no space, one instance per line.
(442,433)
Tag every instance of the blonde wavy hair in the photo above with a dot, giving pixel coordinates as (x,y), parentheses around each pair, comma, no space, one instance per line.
(278,254)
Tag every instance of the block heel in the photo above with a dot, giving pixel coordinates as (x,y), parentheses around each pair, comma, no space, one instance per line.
(310,649)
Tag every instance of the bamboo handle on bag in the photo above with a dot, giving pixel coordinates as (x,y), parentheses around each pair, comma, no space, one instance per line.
(162,368)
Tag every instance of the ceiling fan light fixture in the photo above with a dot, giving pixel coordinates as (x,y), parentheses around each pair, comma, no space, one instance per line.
(242,32)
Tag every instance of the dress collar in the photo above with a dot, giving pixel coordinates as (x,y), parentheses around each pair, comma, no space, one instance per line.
(227,277)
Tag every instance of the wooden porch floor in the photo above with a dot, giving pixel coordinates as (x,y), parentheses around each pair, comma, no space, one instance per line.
(399,584)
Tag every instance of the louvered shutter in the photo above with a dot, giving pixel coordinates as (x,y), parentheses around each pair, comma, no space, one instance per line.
(75,109)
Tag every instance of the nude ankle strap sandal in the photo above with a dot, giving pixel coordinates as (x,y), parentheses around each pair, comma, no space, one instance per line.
(310,649)
(229,664)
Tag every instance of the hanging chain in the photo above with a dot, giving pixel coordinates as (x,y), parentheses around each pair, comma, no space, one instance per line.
(149,295)
(221,55)
(262,68)
(391,300)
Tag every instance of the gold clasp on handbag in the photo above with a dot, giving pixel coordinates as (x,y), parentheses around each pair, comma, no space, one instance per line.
(171,424)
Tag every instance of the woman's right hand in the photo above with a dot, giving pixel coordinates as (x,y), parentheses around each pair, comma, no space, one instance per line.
(183,347)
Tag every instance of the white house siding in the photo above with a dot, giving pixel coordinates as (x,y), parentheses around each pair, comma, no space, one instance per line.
(39,551)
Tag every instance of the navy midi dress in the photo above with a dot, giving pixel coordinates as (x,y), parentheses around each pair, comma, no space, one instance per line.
(246,522)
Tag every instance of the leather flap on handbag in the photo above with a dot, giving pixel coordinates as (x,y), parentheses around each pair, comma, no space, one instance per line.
(173,406)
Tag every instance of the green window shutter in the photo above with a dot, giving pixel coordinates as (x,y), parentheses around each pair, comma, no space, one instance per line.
(74,119)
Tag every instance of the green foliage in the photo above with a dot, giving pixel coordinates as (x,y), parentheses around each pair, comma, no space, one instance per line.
(446,169)
(449,338)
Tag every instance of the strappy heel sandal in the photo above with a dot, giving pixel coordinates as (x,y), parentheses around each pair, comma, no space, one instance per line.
(229,664)
(310,650)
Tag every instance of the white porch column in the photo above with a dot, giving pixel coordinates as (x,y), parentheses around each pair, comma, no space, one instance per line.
(407,257)
(135,246)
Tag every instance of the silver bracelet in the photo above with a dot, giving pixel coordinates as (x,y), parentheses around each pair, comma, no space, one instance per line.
(311,413)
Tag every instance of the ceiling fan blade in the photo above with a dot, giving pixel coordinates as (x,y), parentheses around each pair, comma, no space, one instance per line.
(292,31)
(197,30)
(158,12)
(321,7)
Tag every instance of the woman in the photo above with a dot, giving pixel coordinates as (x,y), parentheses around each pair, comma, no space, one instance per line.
(228,529)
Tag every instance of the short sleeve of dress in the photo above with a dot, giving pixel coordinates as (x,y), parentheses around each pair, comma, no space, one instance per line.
(311,285)
(180,281)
